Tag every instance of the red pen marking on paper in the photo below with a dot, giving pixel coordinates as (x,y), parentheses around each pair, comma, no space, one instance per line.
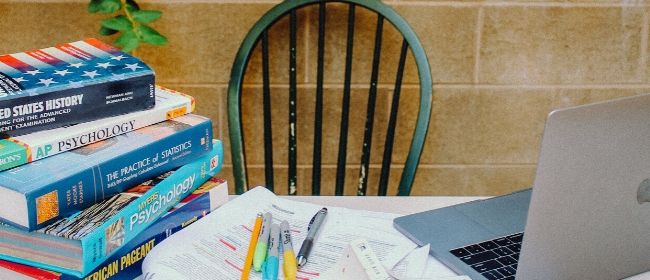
(310,273)
(228,244)
(247,228)
(233,265)
(302,278)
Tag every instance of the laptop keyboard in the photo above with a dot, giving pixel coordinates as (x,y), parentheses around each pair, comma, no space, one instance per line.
(494,259)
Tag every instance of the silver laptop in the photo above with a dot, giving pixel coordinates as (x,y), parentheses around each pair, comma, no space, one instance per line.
(585,218)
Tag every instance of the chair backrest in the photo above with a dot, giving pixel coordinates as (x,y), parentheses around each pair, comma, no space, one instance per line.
(259,35)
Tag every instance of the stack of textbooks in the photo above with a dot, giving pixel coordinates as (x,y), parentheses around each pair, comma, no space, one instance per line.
(92,155)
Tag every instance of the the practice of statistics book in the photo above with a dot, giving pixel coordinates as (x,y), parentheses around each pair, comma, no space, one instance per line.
(23,149)
(36,194)
(70,83)
(80,243)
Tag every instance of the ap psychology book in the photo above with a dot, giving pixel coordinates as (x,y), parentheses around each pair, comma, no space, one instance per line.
(78,244)
(36,194)
(70,83)
(19,150)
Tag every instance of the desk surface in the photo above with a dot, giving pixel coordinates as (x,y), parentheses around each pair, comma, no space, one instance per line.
(400,205)
(390,204)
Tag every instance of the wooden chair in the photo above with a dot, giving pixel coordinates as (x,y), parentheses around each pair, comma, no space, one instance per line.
(259,35)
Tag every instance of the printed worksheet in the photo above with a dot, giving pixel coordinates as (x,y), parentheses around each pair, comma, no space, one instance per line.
(215,247)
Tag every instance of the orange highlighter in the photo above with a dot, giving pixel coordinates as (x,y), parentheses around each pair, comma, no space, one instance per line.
(246,270)
(290,267)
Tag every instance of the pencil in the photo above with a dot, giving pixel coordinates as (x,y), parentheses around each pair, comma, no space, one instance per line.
(251,248)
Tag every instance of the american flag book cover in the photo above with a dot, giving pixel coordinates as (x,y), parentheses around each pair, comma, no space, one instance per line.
(70,83)
(79,244)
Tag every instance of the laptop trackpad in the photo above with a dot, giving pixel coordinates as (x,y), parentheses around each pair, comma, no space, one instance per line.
(503,215)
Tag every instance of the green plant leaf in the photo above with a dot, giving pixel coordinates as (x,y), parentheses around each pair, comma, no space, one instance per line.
(120,23)
(109,6)
(106,31)
(128,40)
(93,6)
(132,6)
(151,36)
(129,20)
(146,16)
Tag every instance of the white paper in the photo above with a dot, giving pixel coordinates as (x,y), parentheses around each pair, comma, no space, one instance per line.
(413,265)
(358,262)
(436,270)
(215,247)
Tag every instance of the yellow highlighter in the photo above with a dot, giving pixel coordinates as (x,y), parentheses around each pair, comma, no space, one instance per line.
(290,267)
(262,242)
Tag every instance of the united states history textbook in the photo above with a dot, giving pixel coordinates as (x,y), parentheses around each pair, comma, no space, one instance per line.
(37,193)
(70,83)
(78,244)
(19,150)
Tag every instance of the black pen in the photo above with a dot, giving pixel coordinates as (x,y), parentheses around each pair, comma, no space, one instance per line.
(312,229)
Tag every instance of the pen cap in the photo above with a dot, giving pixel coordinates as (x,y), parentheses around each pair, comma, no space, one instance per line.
(262,242)
(266,228)
(286,236)
(274,241)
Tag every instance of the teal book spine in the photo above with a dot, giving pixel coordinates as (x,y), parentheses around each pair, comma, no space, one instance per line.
(40,192)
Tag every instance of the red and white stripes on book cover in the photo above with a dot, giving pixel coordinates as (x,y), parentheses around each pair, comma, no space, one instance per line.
(68,53)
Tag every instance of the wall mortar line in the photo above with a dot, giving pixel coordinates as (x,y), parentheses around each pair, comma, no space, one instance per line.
(643,85)
(401,165)
(475,3)
(559,4)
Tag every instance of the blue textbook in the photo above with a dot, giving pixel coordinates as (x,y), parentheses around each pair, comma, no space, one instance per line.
(36,194)
(126,262)
(78,244)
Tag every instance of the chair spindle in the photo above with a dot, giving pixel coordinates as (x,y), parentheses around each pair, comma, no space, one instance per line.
(343,135)
(268,135)
(318,115)
(392,123)
(293,147)
(372,98)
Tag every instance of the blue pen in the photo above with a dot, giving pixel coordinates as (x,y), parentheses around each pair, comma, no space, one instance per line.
(270,270)
(312,229)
